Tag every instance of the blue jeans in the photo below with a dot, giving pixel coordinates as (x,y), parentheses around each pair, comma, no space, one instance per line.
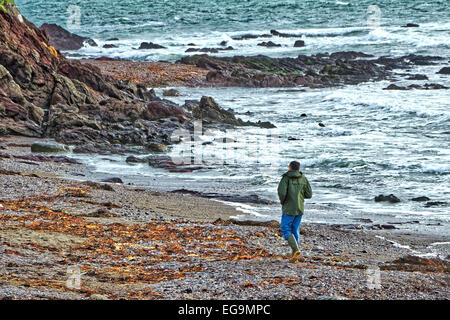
(290,225)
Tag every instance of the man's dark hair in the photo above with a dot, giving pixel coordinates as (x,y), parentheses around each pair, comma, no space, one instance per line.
(294,165)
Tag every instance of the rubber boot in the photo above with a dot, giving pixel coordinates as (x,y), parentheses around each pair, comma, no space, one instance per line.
(294,245)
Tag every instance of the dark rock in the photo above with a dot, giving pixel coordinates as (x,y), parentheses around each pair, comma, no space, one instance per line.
(390,198)
(303,115)
(150,45)
(395,87)
(209,50)
(321,125)
(411,25)
(62,39)
(420,199)
(133,159)
(171,93)
(112,39)
(444,70)
(269,44)
(382,227)
(263,124)
(113,180)
(417,77)
(284,35)
(209,111)
(299,43)
(434,86)
(435,204)
(251,36)
(252,198)
(349,55)
(110,46)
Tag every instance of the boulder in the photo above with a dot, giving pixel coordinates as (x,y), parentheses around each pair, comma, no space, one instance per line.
(417,77)
(394,87)
(411,25)
(110,46)
(269,44)
(420,199)
(390,198)
(50,147)
(62,39)
(171,93)
(435,204)
(444,70)
(284,35)
(150,45)
(299,44)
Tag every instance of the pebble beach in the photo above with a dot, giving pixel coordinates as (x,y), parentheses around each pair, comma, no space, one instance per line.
(124,242)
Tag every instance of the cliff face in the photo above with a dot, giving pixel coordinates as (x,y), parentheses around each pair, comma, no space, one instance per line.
(44,94)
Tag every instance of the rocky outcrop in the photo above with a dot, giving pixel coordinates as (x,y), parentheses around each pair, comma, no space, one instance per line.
(390,198)
(43,94)
(426,86)
(209,50)
(320,70)
(150,45)
(444,70)
(208,110)
(269,44)
(63,40)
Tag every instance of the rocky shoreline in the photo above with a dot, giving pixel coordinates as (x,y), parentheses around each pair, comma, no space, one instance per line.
(134,243)
(105,105)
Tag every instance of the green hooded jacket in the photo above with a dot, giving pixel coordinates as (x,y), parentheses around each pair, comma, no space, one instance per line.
(293,189)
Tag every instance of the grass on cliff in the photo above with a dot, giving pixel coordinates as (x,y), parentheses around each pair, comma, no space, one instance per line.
(5,3)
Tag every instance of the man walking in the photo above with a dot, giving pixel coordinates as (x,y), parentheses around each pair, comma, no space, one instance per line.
(293,189)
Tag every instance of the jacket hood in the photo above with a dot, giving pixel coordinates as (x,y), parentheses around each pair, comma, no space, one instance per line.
(293,174)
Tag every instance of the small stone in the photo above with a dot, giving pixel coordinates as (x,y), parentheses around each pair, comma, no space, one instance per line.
(321,125)
(110,46)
